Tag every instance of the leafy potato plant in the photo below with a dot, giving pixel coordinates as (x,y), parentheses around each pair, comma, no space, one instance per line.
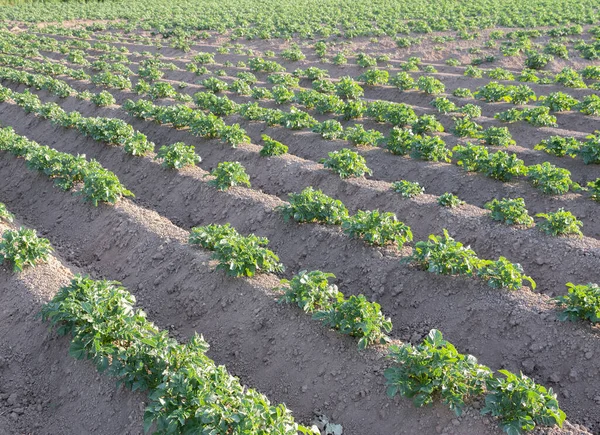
(509,211)
(178,155)
(23,248)
(346,163)
(357,317)
(560,223)
(311,291)
(435,368)
(408,189)
(582,302)
(5,215)
(521,404)
(377,228)
(229,174)
(312,205)
(443,255)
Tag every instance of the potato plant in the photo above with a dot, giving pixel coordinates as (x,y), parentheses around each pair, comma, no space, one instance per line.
(434,369)
(229,174)
(503,274)
(178,155)
(582,302)
(408,189)
(510,211)
(23,248)
(449,200)
(5,215)
(560,223)
(550,179)
(346,163)
(445,256)
(497,136)
(272,147)
(357,317)
(312,205)
(559,146)
(521,404)
(377,228)
(311,291)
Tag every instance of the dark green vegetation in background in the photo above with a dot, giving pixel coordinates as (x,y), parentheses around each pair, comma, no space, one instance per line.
(313,18)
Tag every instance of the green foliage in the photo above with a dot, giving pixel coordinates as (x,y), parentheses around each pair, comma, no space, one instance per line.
(314,206)
(559,102)
(365,61)
(183,382)
(594,187)
(504,274)
(210,235)
(347,88)
(500,74)
(521,94)
(346,163)
(178,155)
(408,189)
(399,141)
(103,99)
(5,215)
(430,148)
(444,105)
(358,136)
(272,147)
(427,124)
(329,129)
(357,317)
(497,136)
(103,186)
(23,248)
(374,77)
(551,179)
(503,166)
(282,94)
(559,146)
(229,174)
(377,228)
(589,151)
(470,157)
(403,81)
(473,71)
(238,255)
(443,255)
(560,223)
(537,60)
(570,78)
(521,404)
(590,105)
(510,211)
(434,368)
(311,291)
(462,93)
(99,185)
(493,92)
(464,127)
(581,302)
(430,85)
(470,110)
(449,200)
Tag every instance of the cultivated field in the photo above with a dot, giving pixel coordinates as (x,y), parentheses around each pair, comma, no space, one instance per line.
(320,218)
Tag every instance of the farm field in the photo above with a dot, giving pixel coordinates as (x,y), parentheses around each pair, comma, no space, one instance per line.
(319,218)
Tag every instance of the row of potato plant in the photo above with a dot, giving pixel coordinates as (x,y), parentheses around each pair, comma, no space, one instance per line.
(98,184)
(187,391)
